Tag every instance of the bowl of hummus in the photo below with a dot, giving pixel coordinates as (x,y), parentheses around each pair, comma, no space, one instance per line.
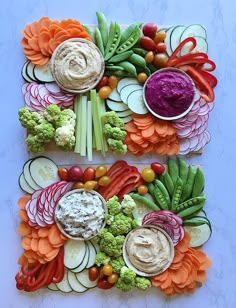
(77,65)
(80,214)
(169,93)
(148,250)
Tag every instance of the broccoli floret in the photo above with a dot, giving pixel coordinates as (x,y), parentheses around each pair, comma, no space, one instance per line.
(64,137)
(117,264)
(126,280)
(67,117)
(52,113)
(112,118)
(29,120)
(128,205)
(113,132)
(142,283)
(117,146)
(121,224)
(34,145)
(110,244)
(101,259)
(44,132)
(113,205)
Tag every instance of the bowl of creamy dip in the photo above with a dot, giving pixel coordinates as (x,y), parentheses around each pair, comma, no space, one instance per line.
(80,214)
(77,65)
(169,93)
(148,250)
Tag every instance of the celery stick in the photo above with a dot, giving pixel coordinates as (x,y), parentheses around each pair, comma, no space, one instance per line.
(93,97)
(102,110)
(77,106)
(83,126)
(89,132)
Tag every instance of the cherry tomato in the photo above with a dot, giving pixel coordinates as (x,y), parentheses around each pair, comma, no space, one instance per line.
(93,273)
(101,274)
(107,269)
(149,57)
(102,283)
(112,81)
(148,175)
(104,180)
(142,189)
(63,173)
(103,82)
(112,278)
(159,37)
(142,77)
(75,173)
(158,168)
(150,29)
(100,171)
(147,43)
(104,92)
(89,174)
(89,185)
(160,60)
(78,185)
(161,47)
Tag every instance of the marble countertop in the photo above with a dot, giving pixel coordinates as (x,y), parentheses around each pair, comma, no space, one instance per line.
(218,159)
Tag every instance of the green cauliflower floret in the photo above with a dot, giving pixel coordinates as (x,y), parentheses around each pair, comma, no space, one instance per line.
(126,280)
(121,224)
(113,205)
(67,117)
(135,223)
(117,146)
(128,205)
(142,283)
(102,259)
(117,264)
(112,118)
(123,286)
(34,145)
(52,113)
(109,218)
(113,132)
(64,137)
(44,132)
(29,120)
(110,244)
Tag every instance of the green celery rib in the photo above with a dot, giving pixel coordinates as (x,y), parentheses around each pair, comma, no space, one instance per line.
(98,141)
(77,107)
(101,104)
(89,132)
(83,126)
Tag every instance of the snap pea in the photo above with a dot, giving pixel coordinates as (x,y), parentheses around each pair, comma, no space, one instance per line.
(128,67)
(131,41)
(121,57)
(188,187)
(199,182)
(160,198)
(128,31)
(113,40)
(151,189)
(145,201)
(90,32)
(177,194)
(168,183)
(118,73)
(137,60)
(196,221)
(173,169)
(139,51)
(163,189)
(114,67)
(152,67)
(98,40)
(102,26)
(191,210)
(183,170)
(191,202)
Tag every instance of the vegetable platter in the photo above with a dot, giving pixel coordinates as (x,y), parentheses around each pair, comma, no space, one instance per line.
(138,89)
(152,235)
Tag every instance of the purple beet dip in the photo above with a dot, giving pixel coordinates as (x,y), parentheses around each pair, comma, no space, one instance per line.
(169,93)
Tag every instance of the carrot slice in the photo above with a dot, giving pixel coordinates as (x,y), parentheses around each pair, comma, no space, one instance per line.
(52,254)
(22,260)
(54,236)
(148,132)
(23,229)
(201,276)
(25,243)
(180,275)
(131,127)
(34,244)
(43,232)
(23,215)
(44,246)
(23,200)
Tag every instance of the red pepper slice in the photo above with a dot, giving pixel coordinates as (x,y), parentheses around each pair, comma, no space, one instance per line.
(189,56)
(198,61)
(27,270)
(60,269)
(180,46)
(116,166)
(211,79)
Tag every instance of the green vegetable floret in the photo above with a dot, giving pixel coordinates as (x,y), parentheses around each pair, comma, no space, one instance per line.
(128,205)
(44,132)
(29,120)
(110,244)
(34,145)
(117,264)
(117,146)
(102,259)
(142,283)
(67,118)
(112,118)
(113,132)
(126,280)
(52,113)
(65,138)
(113,205)
(121,224)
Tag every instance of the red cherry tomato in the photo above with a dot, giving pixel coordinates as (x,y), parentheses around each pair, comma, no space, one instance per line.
(63,173)
(161,47)
(158,168)
(104,284)
(93,273)
(89,174)
(150,29)
(75,173)
(103,82)
(147,43)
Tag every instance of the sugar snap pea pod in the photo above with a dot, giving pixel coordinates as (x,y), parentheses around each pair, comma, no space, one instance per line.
(163,189)
(191,202)
(131,41)
(199,182)
(98,40)
(90,31)
(168,183)
(191,210)
(173,169)
(121,57)
(188,187)
(145,201)
(113,67)
(103,27)
(128,31)
(137,60)
(119,73)
(152,67)
(151,189)
(160,198)
(177,194)
(128,67)
(183,170)
(139,51)
(113,40)
(196,221)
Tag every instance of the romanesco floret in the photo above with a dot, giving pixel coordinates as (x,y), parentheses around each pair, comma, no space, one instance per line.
(29,119)
(117,146)
(127,275)
(113,205)
(34,145)
(123,286)
(44,132)
(101,259)
(142,283)
(64,137)
(112,118)
(117,264)
(109,218)
(67,117)
(52,113)
(110,244)
(128,204)
(113,132)
(121,224)
(135,223)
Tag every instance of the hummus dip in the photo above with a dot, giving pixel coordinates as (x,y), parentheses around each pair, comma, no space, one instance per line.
(149,250)
(77,65)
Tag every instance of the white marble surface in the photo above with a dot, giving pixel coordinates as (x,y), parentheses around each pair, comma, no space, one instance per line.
(218,158)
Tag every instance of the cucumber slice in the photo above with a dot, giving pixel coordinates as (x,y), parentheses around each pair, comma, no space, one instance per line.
(84,262)
(140,211)
(43,171)
(126,113)
(92,254)
(198,234)
(169,51)
(116,106)
(175,36)
(125,82)
(75,284)
(127,90)
(64,284)
(53,287)
(136,103)
(29,70)
(127,119)
(95,245)
(201,46)
(74,253)
(83,278)
(194,30)
(23,72)
(28,177)
(42,73)
(24,185)
(114,95)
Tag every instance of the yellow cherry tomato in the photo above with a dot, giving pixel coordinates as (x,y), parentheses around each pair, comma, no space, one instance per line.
(149,57)
(142,189)
(100,171)
(104,92)
(78,185)
(148,175)
(142,77)
(107,270)
(112,81)
(89,185)
(104,180)
(159,37)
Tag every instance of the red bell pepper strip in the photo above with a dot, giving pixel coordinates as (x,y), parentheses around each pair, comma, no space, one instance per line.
(60,270)
(189,56)
(116,166)
(211,79)
(27,271)
(197,61)
(180,46)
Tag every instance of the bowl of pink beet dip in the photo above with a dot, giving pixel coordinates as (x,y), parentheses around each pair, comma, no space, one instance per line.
(169,93)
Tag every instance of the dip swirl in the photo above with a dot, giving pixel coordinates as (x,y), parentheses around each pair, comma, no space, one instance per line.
(77,65)
(149,250)
(169,93)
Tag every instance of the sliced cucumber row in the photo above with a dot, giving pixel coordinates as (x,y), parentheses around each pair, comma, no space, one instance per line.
(39,73)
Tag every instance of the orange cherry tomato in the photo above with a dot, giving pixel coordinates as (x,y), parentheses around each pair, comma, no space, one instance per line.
(104,180)
(159,37)
(160,60)
(104,92)
(142,77)
(78,185)
(107,269)
(112,81)
(113,278)
(142,189)
(100,171)
(149,57)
